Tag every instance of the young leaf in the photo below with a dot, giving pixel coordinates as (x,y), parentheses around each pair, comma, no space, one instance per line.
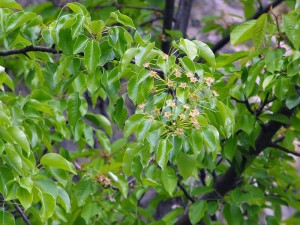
(188,47)
(123,19)
(92,55)
(242,32)
(260,30)
(57,161)
(205,52)
(20,138)
(10,4)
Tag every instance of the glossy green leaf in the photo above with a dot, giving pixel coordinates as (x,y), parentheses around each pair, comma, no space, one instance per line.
(20,138)
(189,48)
(25,197)
(104,141)
(6,218)
(101,121)
(259,30)
(83,190)
(132,124)
(63,199)
(48,206)
(65,41)
(169,180)
(92,53)
(292,29)
(121,183)
(10,4)
(162,154)
(205,52)
(197,211)
(73,108)
(57,161)
(186,171)
(123,19)
(242,32)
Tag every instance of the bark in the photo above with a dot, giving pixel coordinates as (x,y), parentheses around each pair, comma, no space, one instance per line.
(167,25)
(183,16)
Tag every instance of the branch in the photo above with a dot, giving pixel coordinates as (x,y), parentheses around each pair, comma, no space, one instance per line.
(226,39)
(183,16)
(185,192)
(281,148)
(24,217)
(231,178)
(29,48)
(167,24)
(247,104)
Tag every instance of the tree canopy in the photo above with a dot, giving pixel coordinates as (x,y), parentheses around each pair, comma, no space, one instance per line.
(109,114)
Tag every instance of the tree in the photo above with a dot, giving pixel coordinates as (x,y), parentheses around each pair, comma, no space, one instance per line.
(211,134)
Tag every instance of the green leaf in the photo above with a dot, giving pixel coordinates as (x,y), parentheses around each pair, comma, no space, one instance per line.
(122,19)
(197,211)
(6,218)
(127,58)
(65,41)
(293,68)
(83,190)
(242,32)
(20,138)
(189,48)
(292,101)
(205,52)
(104,141)
(48,206)
(92,54)
(233,214)
(25,197)
(132,124)
(184,170)
(259,30)
(292,29)
(57,161)
(101,121)
(78,8)
(121,183)
(73,106)
(5,176)
(162,154)
(230,147)
(169,180)
(10,4)
(63,199)
(211,138)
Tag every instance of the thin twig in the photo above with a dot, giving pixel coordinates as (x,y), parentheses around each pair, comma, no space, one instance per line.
(281,148)
(131,7)
(24,217)
(185,192)
(151,21)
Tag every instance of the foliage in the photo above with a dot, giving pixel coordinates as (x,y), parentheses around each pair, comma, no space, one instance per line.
(200,120)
